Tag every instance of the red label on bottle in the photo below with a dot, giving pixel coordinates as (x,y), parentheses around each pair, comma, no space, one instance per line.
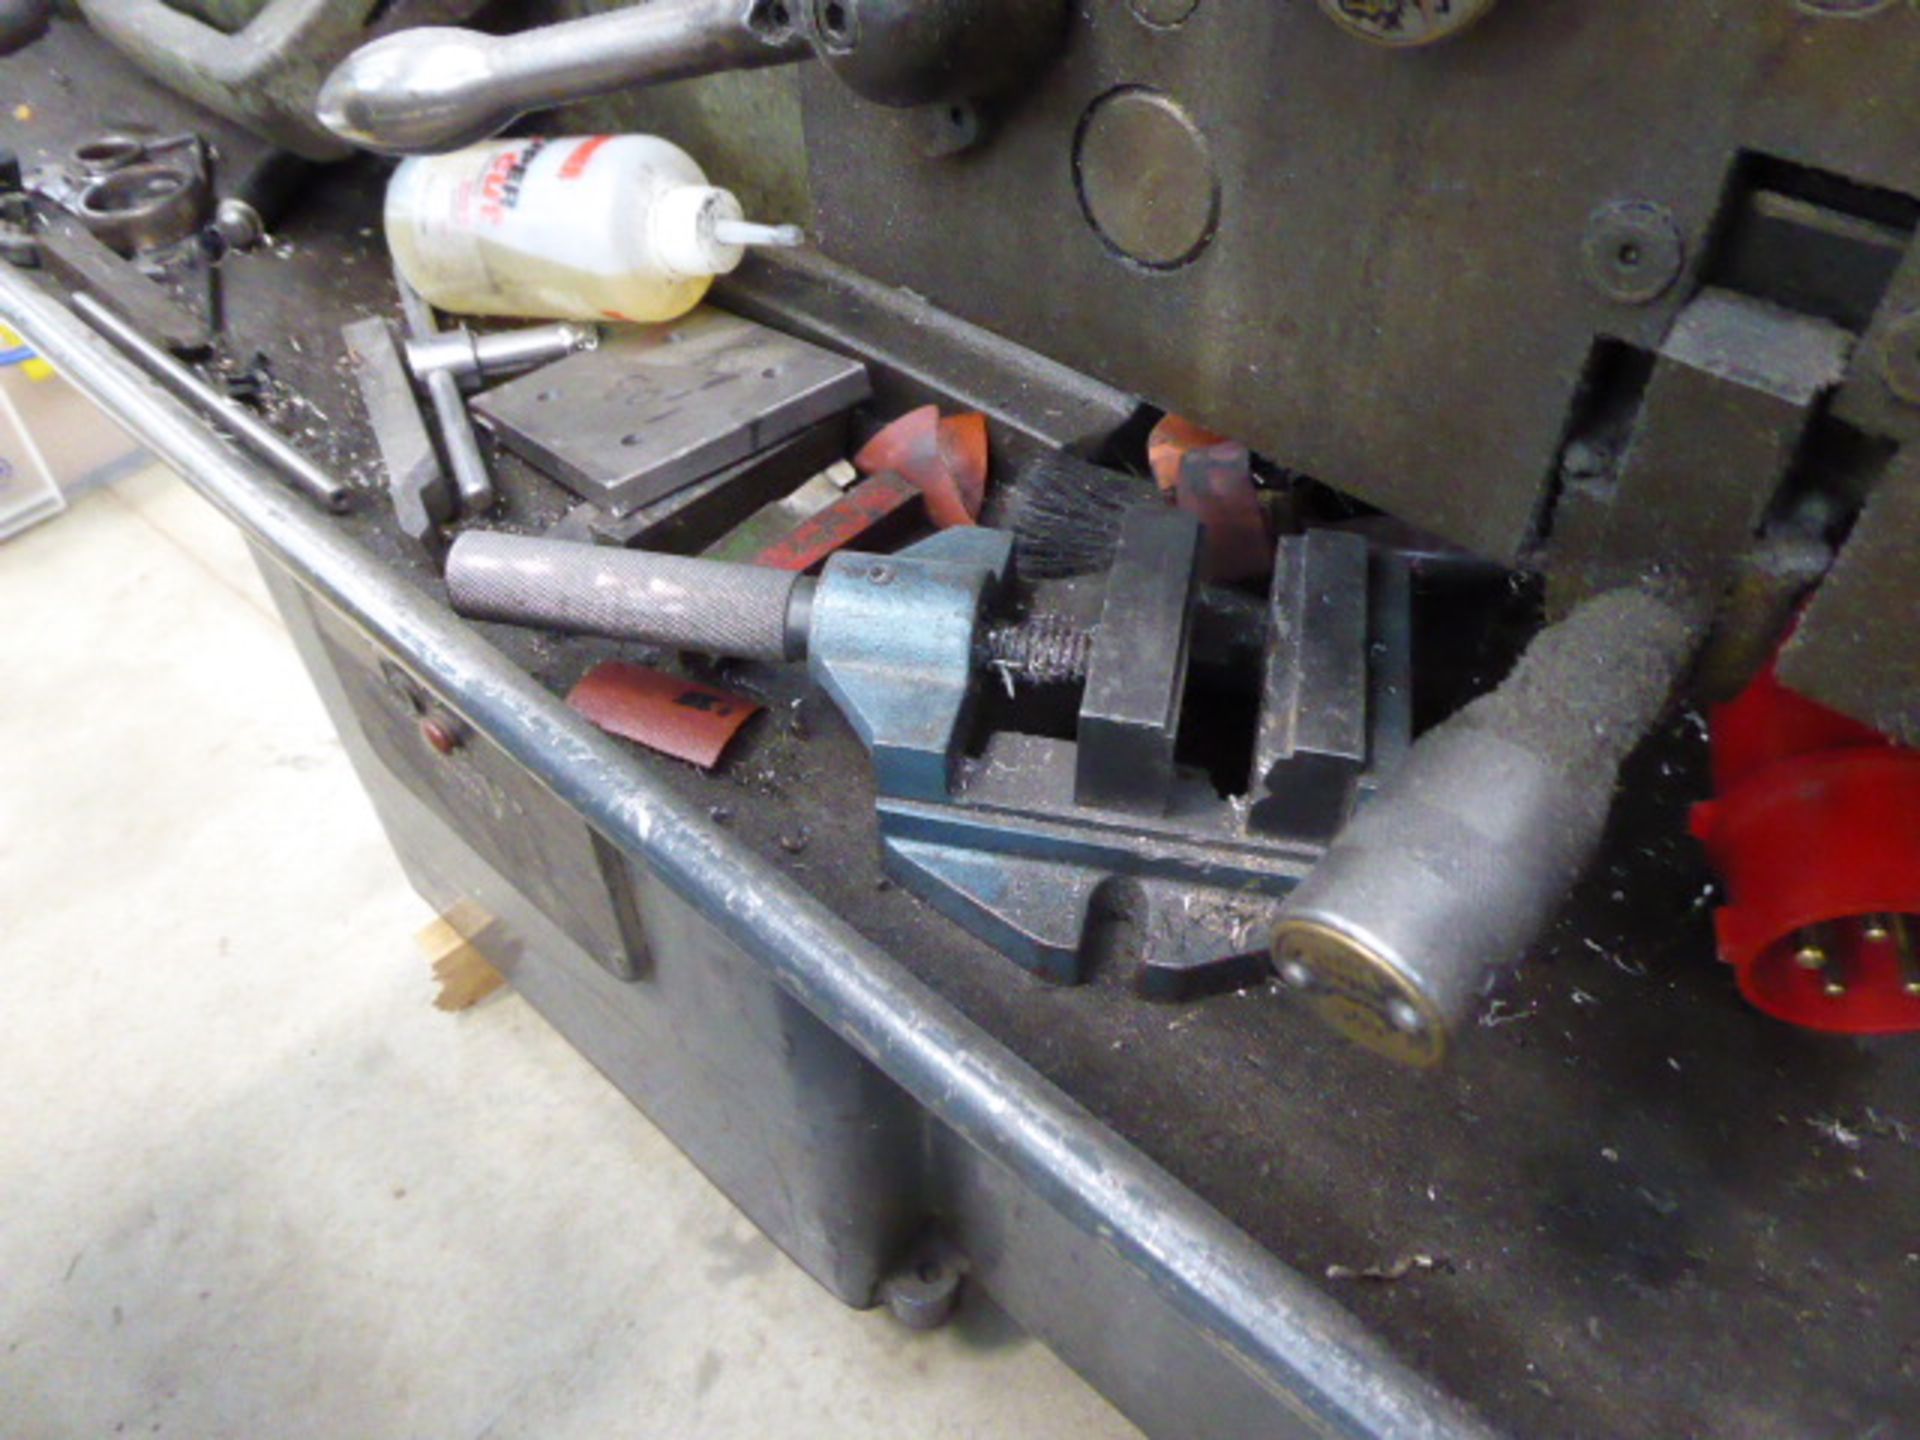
(576,164)
(501,185)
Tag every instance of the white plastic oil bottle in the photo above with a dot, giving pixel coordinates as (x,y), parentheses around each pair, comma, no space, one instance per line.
(603,227)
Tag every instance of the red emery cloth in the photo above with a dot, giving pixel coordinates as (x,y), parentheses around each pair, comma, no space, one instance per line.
(663,712)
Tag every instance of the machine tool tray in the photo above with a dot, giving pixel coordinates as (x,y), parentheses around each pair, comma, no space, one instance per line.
(1629,1206)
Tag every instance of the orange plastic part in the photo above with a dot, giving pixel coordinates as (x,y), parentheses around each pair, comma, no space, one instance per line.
(945,459)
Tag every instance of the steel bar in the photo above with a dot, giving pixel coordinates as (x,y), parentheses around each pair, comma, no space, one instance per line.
(289,463)
(434,89)
(714,607)
(473,359)
(470,474)
(1330,1376)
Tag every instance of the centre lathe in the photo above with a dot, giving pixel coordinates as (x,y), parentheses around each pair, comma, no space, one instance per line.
(1577,346)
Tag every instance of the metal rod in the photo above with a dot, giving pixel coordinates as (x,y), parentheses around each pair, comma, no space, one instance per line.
(294,467)
(1338,1377)
(470,474)
(435,89)
(469,466)
(475,358)
(712,606)
(1813,947)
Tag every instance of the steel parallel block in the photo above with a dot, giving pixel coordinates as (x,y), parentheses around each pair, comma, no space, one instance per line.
(661,408)
(1136,676)
(1314,737)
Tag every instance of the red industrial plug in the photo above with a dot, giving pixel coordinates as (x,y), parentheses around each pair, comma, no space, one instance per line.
(1815,829)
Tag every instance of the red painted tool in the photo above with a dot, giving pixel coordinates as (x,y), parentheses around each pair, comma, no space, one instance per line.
(863,513)
(1815,829)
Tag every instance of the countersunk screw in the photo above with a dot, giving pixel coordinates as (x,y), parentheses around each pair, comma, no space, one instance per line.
(1633,251)
(1900,357)
(881,574)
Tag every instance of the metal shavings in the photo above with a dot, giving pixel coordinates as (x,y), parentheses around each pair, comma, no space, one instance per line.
(1497,1014)
(1872,1125)
(1658,1201)
(1837,1132)
(1398,1270)
(1886,1127)
(1619,962)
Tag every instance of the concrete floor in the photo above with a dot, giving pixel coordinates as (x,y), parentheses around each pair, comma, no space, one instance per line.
(254,1184)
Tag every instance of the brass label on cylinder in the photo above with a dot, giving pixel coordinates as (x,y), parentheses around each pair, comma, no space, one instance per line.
(1359,994)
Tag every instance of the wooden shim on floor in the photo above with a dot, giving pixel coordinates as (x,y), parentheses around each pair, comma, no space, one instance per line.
(466,976)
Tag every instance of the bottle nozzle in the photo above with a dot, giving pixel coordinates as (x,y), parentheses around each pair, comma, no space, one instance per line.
(745,232)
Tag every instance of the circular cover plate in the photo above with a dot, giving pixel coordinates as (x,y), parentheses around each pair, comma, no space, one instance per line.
(1359,994)
(1146,177)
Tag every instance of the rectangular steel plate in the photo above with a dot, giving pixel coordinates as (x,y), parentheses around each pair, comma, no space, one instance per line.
(658,408)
